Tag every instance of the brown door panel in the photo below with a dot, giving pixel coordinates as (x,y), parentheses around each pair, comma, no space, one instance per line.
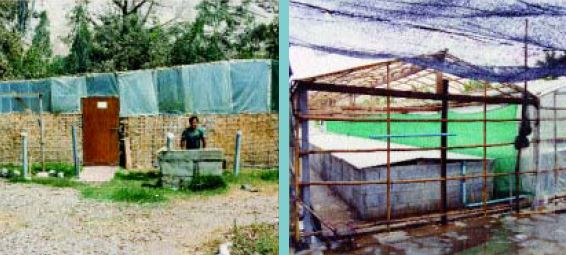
(100,131)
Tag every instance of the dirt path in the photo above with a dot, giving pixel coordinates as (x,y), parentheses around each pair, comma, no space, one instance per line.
(36,219)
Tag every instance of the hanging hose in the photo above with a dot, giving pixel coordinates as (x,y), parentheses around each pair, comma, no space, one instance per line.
(522,140)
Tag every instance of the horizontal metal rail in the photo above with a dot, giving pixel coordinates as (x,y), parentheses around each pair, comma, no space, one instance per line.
(308,152)
(422,180)
(317,117)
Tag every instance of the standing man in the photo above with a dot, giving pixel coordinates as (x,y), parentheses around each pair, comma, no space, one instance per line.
(193,135)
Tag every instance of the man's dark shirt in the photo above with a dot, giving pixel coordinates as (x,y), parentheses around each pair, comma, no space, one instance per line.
(192,138)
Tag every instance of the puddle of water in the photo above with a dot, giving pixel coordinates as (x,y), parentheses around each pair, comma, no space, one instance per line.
(538,234)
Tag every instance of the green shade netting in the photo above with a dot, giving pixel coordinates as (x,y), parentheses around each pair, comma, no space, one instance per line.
(464,133)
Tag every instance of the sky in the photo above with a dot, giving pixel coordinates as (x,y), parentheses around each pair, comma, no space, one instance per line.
(487,33)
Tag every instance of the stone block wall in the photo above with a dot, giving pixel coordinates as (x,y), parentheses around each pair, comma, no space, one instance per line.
(369,201)
(180,166)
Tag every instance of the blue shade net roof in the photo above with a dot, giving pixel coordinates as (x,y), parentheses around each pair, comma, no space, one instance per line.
(228,87)
(488,35)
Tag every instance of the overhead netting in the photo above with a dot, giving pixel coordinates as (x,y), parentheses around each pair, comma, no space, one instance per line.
(229,87)
(489,35)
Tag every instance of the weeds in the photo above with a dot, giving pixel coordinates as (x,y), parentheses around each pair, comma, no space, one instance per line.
(254,239)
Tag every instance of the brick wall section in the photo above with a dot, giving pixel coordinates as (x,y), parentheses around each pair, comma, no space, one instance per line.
(58,139)
(259,132)
(146,136)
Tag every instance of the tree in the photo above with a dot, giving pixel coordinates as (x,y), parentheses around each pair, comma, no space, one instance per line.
(11,53)
(38,56)
(260,42)
(11,49)
(225,30)
(80,39)
(129,38)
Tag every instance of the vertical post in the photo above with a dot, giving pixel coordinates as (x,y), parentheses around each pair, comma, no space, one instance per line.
(75,151)
(170,140)
(536,154)
(41,133)
(443,151)
(524,110)
(25,165)
(297,172)
(305,166)
(388,146)
(517,178)
(237,153)
(555,113)
(484,188)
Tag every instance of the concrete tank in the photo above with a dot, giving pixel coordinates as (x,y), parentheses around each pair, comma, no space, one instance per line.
(369,201)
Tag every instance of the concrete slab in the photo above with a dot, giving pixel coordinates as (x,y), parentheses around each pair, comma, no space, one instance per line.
(97,173)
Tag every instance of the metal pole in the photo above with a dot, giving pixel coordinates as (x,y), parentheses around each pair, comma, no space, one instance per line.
(388,149)
(524,110)
(42,133)
(484,188)
(297,172)
(305,166)
(536,154)
(443,152)
(555,151)
(237,153)
(25,165)
(75,151)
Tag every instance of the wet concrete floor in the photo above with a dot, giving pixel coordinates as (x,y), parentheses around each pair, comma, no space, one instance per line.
(535,234)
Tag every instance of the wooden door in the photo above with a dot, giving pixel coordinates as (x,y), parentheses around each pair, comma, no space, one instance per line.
(101,145)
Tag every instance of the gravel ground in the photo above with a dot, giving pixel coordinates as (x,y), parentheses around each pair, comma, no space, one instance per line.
(37,219)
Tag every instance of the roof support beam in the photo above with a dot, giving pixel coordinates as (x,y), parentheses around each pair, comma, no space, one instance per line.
(325,87)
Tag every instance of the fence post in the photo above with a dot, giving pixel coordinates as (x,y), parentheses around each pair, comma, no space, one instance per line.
(443,152)
(42,133)
(237,153)
(75,151)
(25,166)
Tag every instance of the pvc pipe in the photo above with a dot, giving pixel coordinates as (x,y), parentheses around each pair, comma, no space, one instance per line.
(495,201)
(465,193)
(409,135)
(75,151)
(24,135)
(237,153)
(170,139)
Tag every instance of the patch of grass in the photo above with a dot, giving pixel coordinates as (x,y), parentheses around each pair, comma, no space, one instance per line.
(131,187)
(207,182)
(254,239)
(253,176)
(138,195)
(137,176)
(49,181)
(269,175)
(143,187)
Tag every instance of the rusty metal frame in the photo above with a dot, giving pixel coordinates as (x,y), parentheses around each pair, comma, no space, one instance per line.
(302,117)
